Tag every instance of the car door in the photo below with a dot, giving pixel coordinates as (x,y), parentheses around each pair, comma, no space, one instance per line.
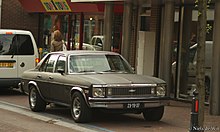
(44,75)
(59,90)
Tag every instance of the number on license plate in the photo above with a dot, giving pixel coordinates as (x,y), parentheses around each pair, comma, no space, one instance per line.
(133,105)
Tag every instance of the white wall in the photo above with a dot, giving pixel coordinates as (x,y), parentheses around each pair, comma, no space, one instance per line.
(146,53)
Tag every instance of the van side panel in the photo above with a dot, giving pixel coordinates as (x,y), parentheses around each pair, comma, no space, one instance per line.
(8,66)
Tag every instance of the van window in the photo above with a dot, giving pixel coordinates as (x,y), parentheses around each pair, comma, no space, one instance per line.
(16,44)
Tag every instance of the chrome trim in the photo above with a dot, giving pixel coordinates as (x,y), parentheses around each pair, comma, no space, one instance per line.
(81,91)
(127,85)
(129,98)
(120,104)
(35,84)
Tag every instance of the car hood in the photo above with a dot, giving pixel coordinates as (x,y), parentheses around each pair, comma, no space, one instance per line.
(118,79)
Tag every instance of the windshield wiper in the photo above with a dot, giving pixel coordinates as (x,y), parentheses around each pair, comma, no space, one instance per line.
(117,71)
(86,71)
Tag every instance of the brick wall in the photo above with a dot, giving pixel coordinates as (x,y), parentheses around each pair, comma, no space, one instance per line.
(15,17)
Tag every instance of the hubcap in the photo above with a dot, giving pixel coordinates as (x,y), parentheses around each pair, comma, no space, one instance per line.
(76,107)
(33,97)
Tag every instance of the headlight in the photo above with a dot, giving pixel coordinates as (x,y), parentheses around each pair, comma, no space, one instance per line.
(161,91)
(98,92)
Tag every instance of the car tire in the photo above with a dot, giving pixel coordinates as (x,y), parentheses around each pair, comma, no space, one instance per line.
(36,102)
(153,114)
(80,111)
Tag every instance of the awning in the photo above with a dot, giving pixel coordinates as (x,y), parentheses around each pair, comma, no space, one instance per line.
(64,6)
(94,0)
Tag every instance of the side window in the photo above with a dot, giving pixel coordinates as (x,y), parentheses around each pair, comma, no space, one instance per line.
(48,64)
(51,62)
(25,45)
(61,62)
(98,42)
(44,64)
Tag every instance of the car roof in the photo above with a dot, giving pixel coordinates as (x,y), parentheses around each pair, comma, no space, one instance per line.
(98,36)
(14,31)
(85,52)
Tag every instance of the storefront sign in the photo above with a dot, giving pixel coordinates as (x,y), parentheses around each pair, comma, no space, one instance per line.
(56,5)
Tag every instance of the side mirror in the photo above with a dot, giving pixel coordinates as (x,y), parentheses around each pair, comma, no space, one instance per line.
(60,70)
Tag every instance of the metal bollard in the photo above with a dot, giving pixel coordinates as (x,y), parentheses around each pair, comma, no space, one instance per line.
(194,113)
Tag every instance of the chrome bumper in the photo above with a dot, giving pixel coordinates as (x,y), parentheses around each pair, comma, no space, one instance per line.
(118,103)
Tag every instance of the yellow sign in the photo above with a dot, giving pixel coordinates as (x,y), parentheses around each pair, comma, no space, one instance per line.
(56,5)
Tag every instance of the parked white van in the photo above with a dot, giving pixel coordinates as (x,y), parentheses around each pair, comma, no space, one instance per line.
(18,52)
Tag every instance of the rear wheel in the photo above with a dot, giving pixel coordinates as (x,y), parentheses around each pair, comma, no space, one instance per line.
(80,111)
(153,114)
(35,101)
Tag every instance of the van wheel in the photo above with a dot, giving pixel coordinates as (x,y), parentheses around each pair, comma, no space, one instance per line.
(36,103)
(153,114)
(79,110)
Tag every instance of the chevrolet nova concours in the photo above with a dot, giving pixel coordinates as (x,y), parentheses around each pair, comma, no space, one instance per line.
(89,80)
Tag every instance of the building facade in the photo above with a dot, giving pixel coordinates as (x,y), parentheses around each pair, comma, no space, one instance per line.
(154,35)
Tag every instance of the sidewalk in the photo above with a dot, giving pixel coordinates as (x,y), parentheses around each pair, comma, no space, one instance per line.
(180,113)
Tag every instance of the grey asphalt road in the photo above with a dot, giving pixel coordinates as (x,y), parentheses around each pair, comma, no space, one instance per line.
(16,116)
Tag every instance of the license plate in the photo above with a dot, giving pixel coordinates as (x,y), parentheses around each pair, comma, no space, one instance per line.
(133,105)
(6,65)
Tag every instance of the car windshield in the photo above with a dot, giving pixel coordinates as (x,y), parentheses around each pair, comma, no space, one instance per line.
(98,64)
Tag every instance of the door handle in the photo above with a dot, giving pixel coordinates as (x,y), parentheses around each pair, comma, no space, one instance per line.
(50,77)
(39,76)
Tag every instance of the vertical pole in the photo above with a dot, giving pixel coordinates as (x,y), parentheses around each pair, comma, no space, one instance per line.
(126,30)
(69,31)
(215,83)
(194,113)
(81,31)
(74,33)
(108,20)
(166,46)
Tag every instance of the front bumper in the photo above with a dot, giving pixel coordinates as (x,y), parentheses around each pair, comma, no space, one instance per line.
(119,103)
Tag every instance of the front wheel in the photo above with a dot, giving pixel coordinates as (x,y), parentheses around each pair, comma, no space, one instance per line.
(35,101)
(79,110)
(153,114)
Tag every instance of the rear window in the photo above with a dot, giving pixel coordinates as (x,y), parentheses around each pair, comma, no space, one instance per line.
(16,44)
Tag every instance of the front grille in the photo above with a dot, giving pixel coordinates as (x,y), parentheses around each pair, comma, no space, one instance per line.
(133,91)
